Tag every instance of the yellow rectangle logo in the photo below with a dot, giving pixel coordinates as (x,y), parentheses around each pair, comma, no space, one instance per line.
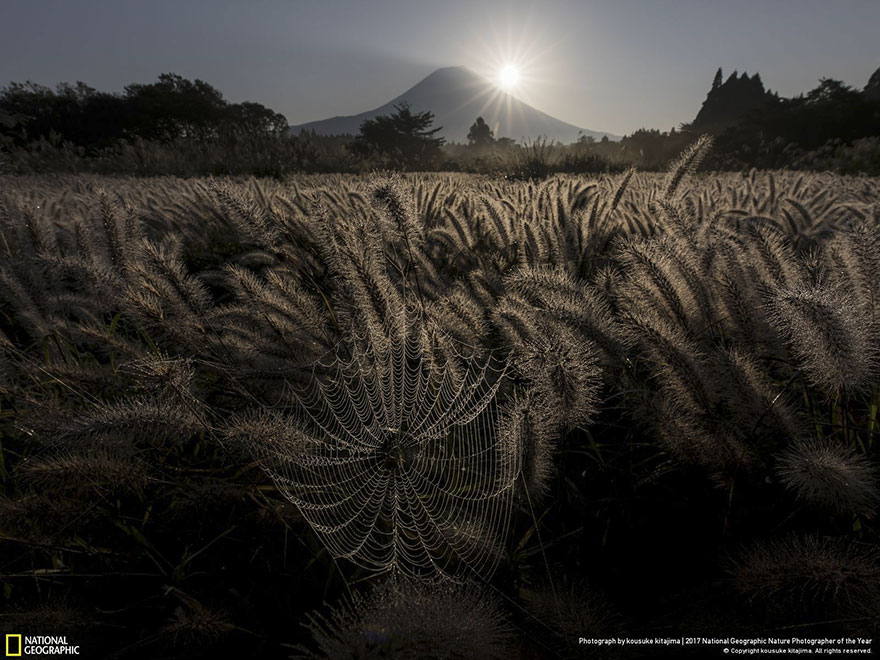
(9,652)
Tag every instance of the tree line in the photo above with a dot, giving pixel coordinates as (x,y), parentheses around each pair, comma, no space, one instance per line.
(178,126)
(170,109)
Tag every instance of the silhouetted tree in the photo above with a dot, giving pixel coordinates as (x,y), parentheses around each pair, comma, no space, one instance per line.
(403,139)
(256,119)
(872,89)
(76,113)
(480,134)
(169,109)
(729,102)
(175,107)
(778,133)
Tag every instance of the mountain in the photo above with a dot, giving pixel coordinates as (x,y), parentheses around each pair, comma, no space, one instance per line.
(457,96)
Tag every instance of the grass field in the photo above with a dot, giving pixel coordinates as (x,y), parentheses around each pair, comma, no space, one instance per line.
(325,415)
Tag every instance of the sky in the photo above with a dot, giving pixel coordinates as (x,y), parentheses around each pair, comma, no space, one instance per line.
(605,65)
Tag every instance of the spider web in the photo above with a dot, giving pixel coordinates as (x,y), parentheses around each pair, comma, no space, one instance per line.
(396,463)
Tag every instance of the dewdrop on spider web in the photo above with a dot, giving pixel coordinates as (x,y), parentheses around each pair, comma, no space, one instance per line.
(394,460)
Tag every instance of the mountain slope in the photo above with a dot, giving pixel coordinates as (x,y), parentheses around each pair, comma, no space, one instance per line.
(457,96)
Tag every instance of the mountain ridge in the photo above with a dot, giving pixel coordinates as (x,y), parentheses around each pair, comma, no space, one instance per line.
(457,96)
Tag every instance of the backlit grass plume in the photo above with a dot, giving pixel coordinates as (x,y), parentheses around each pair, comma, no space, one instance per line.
(829,335)
(411,621)
(819,575)
(830,475)
(563,372)
(531,425)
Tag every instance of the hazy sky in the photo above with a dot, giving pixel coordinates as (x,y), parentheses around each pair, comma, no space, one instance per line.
(614,65)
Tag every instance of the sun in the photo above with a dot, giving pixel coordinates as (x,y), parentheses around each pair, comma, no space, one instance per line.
(508,76)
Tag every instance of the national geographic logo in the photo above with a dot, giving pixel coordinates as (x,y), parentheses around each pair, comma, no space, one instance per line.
(20,645)
(13,646)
